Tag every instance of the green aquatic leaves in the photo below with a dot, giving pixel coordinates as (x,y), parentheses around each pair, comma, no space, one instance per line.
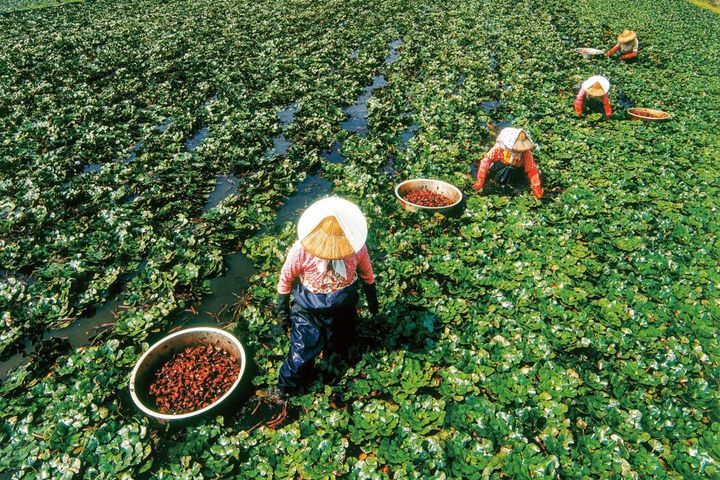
(574,337)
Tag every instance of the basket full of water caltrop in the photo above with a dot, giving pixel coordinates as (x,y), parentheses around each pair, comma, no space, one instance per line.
(590,53)
(188,374)
(649,114)
(428,194)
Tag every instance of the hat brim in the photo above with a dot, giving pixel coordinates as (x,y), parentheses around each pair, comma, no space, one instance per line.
(523,145)
(325,221)
(328,250)
(596,91)
(627,37)
(328,241)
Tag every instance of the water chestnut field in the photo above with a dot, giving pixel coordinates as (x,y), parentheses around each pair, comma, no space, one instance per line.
(154,158)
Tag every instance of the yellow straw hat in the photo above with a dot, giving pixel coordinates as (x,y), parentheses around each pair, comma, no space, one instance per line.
(596,86)
(515,139)
(627,36)
(523,142)
(332,228)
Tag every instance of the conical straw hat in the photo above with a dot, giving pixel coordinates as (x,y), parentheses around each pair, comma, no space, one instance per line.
(332,228)
(627,36)
(515,139)
(596,86)
(328,241)
(523,142)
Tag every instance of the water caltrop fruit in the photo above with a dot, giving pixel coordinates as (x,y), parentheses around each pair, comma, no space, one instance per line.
(426,198)
(193,379)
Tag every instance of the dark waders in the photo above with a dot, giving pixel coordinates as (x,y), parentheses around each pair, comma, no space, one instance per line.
(319,322)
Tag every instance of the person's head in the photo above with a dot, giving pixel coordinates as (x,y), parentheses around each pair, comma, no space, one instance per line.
(628,36)
(515,140)
(596,86)
(332,228)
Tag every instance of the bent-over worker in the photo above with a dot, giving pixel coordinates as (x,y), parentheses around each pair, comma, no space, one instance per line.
(512,152)
(322,270)
(594,88)
(627,44)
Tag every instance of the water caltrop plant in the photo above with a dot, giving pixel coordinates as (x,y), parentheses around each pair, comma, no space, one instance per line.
(573,336)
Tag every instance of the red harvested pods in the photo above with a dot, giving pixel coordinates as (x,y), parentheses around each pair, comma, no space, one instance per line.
(427,198)
(194,379)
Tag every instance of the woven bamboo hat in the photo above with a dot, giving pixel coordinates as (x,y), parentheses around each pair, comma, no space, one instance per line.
(515,139)
(627,36)
(332,228)
(596,86)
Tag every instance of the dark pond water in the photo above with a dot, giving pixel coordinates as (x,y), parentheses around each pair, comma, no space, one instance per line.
(164,125)
(287,115)
(134,151)
(624,101)
(79,333)
(93,167)
(490,105)
(407,135)
(281,145)
(225,185)
(226,290)
(334,155)
(358,123)
(389,167)
(358,112)
(308,191)
(194,141)
(216,307)
(394,54)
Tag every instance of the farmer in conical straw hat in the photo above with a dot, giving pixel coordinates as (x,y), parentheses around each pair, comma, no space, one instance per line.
(627,44)
(512,152)
(321,270)
(594,87)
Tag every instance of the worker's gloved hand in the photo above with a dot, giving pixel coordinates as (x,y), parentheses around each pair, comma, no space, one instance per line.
(535,184)
(537,191)
(579,100)
(612,51)
(606,106)
(371,294)
(477,186)
(282,308)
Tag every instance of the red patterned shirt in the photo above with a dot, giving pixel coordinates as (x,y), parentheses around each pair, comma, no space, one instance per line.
(300,263)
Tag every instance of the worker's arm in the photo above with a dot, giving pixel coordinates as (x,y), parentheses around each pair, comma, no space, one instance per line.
(612,51)
(533,174)
(290,271)
(365,272)
(490,157)
(579,101)
(282,308)
(633,53)
(606,106)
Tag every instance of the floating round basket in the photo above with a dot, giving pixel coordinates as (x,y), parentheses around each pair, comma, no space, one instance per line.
(437,191)
(648,114)
(589,53)
(143,375)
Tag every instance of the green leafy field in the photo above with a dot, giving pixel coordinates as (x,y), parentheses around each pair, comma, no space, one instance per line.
(573,337)
(22,5)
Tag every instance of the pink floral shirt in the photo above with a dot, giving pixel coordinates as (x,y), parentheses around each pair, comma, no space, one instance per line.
(300,263)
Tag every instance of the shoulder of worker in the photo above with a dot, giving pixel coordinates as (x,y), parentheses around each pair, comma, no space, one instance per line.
(296,250)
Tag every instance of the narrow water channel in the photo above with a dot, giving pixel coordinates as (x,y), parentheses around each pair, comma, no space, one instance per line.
(216,307)
(77,334)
